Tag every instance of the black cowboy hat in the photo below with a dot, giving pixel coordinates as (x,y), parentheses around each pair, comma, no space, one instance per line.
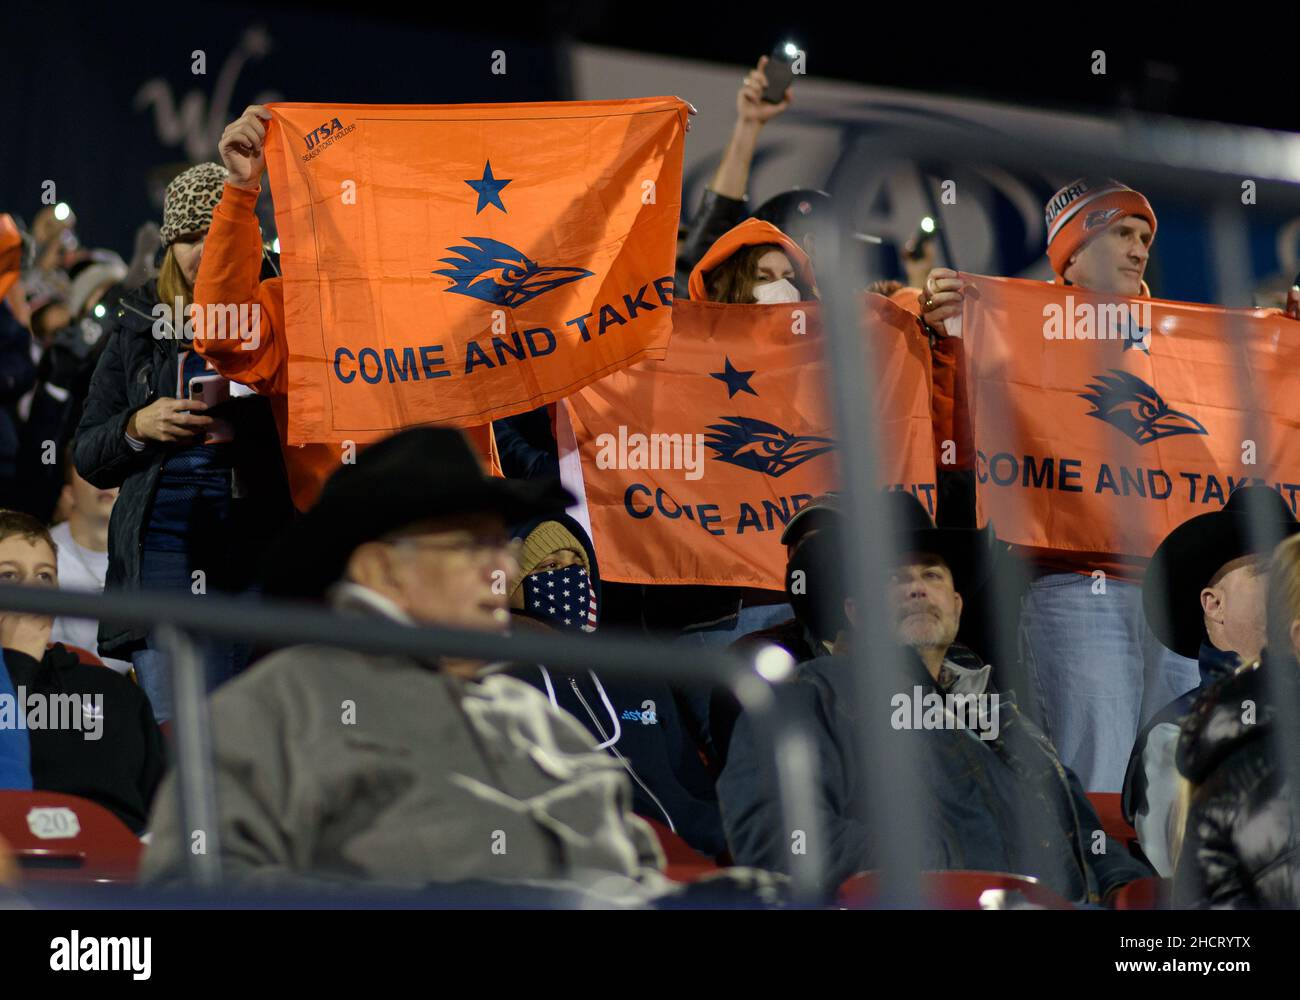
(414,475)
(966,551)
(1193,552)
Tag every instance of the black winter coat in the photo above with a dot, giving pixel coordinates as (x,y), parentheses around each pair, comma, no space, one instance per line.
(135,369)
(1240,845)
(121,765)
(1005,804)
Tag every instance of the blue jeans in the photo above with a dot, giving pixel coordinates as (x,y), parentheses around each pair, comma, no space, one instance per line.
(171,571)
(751,619)
(1098,672)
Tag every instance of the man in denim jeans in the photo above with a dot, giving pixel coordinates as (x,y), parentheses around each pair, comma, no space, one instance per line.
(1098,670)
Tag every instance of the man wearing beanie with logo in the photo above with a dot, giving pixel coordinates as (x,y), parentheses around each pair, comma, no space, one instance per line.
(1098,669)
(1204,596)
(335,767)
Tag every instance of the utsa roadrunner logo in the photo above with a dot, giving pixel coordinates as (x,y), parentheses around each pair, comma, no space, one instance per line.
(498,273)
(763,447)
(1130,405)
(1100,217)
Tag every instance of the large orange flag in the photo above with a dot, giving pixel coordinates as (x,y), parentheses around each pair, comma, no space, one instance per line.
(459,263)
(690,467)
(1102,422)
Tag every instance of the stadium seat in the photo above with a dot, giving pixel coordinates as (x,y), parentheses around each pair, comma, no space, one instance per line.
(1111,814)
(1143,894)
(958,890)
(63,838)
(685,864)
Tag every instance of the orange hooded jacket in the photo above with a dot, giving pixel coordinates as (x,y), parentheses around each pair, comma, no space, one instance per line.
(750,233)
(232,262)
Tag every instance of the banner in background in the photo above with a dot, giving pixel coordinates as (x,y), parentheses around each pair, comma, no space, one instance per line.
(691,467)
(1101,423)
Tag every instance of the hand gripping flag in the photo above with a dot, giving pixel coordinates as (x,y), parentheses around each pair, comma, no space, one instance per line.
(459,263)
(690,467)
(1101,422)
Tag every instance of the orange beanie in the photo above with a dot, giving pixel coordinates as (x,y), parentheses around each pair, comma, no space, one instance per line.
(1082,209)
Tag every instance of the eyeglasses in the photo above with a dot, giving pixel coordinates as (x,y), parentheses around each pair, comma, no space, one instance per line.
(469,545)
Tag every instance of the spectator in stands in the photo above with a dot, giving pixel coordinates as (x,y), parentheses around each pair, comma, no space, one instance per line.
(17,376)
(12,250)
(725,202)
(811,540)
(814,586)
(200,499)
(110,751)
(1204,593)
(1240,848)
(754,263)
(643,724)
(82,545)
(91,278)
(1097,667)
(439,772)
(64,370)
(982,790)
(55,244)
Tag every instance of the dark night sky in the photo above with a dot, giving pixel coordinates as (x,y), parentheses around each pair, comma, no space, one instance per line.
(1236,66)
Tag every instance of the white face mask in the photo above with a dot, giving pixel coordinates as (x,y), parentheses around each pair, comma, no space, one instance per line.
(775,292)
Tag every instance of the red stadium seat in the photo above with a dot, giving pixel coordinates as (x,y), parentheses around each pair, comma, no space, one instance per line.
(1143,894)
(63,838)
(1111,815)
(956,890)
(685,864)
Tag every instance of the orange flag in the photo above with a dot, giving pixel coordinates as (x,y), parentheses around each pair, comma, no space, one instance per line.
(1103,422)
(459,263)
(690,467)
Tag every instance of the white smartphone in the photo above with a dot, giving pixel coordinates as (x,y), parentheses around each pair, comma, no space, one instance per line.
(213,390)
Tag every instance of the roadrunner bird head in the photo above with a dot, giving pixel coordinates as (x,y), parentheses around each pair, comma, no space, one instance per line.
(1132,406)
(763,447)
(498,273)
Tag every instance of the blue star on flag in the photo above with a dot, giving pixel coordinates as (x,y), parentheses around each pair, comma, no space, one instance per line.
(1136,338)
(737,381)
(488,188)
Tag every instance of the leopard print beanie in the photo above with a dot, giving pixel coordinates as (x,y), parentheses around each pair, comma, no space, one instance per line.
(190,200)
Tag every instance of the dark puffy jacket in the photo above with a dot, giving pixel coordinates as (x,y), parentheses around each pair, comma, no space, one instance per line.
(1240,845)
(1005,804)
(135,369)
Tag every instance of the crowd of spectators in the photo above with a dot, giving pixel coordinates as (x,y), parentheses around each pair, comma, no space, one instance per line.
(115,474)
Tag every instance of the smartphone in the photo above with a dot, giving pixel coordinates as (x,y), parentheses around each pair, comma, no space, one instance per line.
(779,72)
(925,232)
(213,390)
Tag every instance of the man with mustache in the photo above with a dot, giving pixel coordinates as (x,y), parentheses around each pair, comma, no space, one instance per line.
(994,792)
(1098,671)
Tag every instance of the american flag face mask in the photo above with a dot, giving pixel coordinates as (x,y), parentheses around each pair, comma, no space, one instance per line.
(562,598)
